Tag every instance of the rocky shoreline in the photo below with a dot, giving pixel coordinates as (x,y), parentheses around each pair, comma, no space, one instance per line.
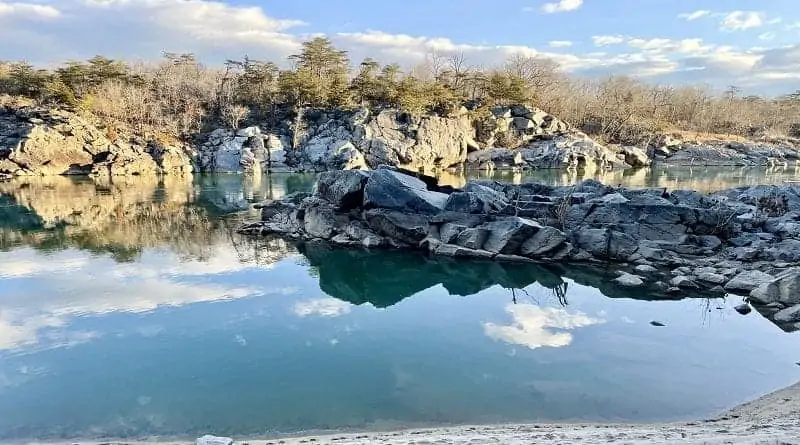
(43,141)
(743,241)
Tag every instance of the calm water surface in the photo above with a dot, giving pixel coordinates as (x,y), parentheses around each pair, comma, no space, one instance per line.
(133,309)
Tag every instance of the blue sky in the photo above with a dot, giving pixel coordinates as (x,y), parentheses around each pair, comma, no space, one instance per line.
(754,44)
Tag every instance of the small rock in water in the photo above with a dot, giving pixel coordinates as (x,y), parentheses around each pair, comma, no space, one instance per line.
(645,268)
(657,323)
(213,440)
(743,309)
(629,280)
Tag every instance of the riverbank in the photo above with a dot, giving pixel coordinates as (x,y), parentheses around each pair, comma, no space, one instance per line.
(773,419)
(46,141)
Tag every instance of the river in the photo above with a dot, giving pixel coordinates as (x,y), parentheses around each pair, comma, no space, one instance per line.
(133,309)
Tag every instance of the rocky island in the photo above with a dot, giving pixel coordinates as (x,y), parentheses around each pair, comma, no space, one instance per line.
(742,241)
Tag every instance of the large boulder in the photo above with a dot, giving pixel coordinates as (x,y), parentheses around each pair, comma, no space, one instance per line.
(636,157)
(343,189)
(545,240)
(395,138)
(507,235)
(784,288)
(403,227)
(473,238)
(605,243)
(319,220)
(389,189)
(748,280)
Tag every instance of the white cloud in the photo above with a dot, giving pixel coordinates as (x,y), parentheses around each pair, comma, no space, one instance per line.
(216,30)
(322,307)
(742,20)
(209,28)
(562,6)
(607,40)
(767,36)
(28,11)
(689,16)
(533,326)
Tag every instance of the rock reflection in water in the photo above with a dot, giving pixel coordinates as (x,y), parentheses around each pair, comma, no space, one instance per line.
(126,215)
(704,179)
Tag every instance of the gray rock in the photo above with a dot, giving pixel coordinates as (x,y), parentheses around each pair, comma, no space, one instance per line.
(788,315)
(493,199)
(507,235)
(403,227)
(747,281)
(635,157)
(461,252)
(604,243)
(392,190)
(646,269)
(629,280)
(784,288)
(473,238)
(465,202)
(343,189)
(712,278)
(320,221)
(450,231)
(684,282)
(613,198)
(743,309)
(545,240)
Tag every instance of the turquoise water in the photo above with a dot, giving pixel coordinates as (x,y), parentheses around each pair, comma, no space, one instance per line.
(133,309)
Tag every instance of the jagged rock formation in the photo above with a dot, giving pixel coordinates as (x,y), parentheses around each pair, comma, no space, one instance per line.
(768,153)
(677,241)
(363,139)
(247,150)
(37,141)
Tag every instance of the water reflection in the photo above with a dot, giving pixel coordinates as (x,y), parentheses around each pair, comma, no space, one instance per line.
(705,179)
(130,309)
(533,326)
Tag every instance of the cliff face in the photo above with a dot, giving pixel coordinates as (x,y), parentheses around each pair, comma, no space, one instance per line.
(46,142)
(42,141)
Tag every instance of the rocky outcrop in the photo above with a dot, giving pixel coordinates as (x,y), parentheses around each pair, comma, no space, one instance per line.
(680,241)
(521,137)
(765,153)
(365,139)
(244,151)
(46,142)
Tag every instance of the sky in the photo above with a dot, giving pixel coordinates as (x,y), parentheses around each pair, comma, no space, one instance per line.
(754,44)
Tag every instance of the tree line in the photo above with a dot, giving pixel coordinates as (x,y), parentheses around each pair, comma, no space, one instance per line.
(181,96)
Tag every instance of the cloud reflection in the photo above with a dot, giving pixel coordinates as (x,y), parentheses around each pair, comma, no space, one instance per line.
(41,294)
(533,326)
(322,307)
